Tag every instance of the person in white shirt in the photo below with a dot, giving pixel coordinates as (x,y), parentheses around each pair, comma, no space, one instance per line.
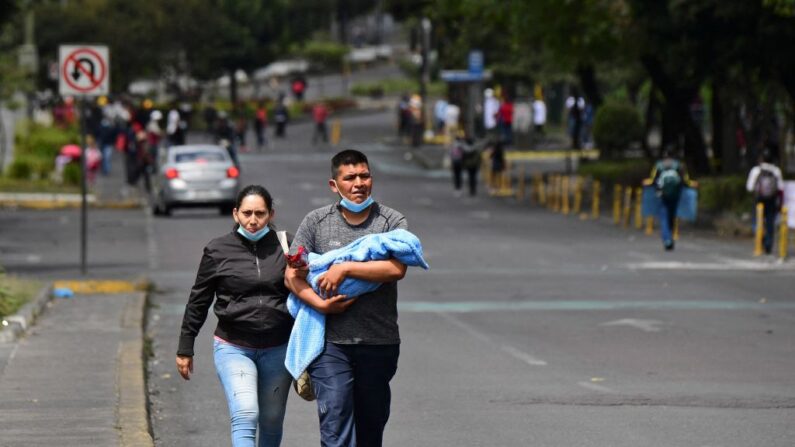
(491,106)
(539,115)
(767,184)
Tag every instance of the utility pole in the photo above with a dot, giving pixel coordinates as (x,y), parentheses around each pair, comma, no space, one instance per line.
(425,75)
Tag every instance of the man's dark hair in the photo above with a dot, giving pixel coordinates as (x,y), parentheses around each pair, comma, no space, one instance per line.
(766,156)
(347,157)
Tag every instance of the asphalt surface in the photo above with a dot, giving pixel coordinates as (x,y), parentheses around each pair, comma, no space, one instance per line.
(531,328)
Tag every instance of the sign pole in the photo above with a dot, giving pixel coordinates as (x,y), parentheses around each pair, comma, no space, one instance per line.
(83,186)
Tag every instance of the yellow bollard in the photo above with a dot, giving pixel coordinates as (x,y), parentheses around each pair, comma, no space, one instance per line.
(542,191)
(505,180)
(336,132)
(558,193)
(783,235)
(564,192)
(520,186)
(760,229)
(552,201)
(649,226)
(595,206)
(577,195)
(676,229)
(627,206)
(638,211)
(485,168)
(617,204)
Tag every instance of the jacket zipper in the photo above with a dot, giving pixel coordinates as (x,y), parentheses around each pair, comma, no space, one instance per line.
(259,273)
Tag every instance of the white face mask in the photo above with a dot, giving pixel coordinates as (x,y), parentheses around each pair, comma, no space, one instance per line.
(253,237)
(353,206)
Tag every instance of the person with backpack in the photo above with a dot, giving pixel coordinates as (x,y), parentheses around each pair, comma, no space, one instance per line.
(767,184)
(669,178)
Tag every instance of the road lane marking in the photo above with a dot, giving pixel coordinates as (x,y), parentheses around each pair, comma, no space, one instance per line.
(527,358)
(510,350)
(595,387)
(583,305)
(727,265)
(644,325)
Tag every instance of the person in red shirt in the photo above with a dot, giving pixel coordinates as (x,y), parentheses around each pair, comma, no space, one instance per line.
(319,116)
(505,120)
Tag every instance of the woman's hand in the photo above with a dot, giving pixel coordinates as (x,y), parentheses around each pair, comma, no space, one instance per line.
(337,304)
(185,366)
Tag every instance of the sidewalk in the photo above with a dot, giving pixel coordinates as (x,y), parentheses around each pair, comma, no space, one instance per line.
(77,377)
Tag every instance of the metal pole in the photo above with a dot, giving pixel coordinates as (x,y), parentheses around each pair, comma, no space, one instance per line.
(83,186)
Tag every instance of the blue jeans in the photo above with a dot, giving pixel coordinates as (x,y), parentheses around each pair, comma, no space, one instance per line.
(668,217)
(770,213)
(107,153)
(351,383)
(256,384)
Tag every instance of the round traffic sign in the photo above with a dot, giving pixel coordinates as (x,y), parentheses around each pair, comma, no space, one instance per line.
(84,70)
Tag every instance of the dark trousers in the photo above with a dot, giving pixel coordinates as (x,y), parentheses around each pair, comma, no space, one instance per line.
(351,383)
(458,171)
(770,212)
(320,133)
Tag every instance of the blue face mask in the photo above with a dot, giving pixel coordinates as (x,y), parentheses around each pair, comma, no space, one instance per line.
(253,237)
(352,206)
(355,207)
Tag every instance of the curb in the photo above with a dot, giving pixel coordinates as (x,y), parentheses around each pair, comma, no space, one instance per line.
(25,317)
(132,411)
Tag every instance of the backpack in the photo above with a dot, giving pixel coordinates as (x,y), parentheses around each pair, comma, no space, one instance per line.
(669,180)
(766,186)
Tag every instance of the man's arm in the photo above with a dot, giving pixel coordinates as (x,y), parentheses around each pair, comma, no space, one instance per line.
(374,271)
(295,281)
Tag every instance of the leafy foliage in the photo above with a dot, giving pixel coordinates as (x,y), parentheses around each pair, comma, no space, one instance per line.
(616,127)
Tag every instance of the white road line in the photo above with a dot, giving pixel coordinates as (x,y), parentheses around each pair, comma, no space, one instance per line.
(728,265)
(644,325)
(527,358)
(595,387)
(513,352)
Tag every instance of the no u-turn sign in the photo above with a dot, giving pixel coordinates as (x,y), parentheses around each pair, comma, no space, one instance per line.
(84,70)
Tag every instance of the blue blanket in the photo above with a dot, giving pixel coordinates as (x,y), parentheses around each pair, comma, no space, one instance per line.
(686,210)
(309,331)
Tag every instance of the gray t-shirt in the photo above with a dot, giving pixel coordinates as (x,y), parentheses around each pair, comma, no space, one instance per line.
(372,319)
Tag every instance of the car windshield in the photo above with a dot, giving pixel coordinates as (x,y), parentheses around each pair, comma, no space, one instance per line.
(198,157)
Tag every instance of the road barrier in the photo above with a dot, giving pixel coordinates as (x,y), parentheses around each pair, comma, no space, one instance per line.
(783,234)
(336,132)
(760,229)
(595,206)
(617,204)
(564,192)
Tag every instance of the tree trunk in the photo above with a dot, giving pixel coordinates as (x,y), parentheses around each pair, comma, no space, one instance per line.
(679,129)
(590,87)
(233,86)
(724,129)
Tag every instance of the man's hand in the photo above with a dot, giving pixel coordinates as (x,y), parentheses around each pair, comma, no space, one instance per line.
(337,304)
(330,281)
(185,366)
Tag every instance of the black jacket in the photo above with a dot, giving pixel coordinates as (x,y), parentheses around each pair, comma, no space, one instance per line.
(247,281)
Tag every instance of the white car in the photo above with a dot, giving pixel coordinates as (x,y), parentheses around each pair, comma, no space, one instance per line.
(196,175)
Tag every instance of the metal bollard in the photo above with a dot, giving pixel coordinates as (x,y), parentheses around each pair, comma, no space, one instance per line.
(617,204)
(760,229)
(542,191)
(649,226)
(783,235)
(675,236)
(336,132)
(520,187)
(564,192)
(558,193)
(554,205)
(627,206)
(577,195)
(595,206)
(638,211)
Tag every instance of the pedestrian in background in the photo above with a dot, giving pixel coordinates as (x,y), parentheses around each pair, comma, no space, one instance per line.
(319,116)
(767,185)
(464,156)
(668,176)
(261,125)
(242,272)
(505,119)
(497,156)
(539,115)
(362,342)
(281,116)
(491,105)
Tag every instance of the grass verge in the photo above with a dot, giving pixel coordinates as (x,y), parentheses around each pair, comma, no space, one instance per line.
(15,292)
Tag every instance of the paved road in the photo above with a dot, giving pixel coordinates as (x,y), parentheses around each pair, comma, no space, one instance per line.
(530,328)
